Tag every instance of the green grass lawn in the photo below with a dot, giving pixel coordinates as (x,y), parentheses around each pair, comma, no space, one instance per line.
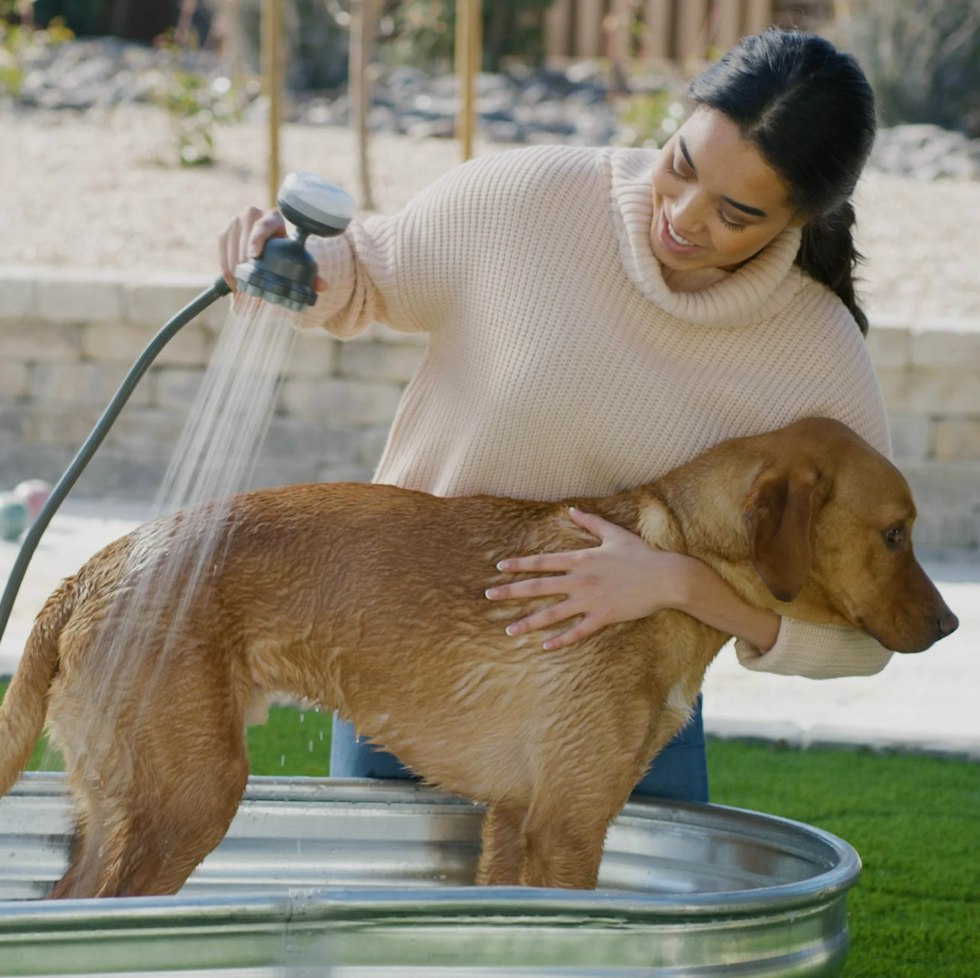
(915,821)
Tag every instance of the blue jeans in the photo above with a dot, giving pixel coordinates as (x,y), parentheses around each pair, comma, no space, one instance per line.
(679,772)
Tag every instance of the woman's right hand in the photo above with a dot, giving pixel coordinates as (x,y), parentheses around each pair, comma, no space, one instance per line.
(245,237)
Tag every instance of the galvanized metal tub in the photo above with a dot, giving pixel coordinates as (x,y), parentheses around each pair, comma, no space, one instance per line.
(355,878)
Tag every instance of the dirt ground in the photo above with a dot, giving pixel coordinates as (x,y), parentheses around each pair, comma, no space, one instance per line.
(102,192)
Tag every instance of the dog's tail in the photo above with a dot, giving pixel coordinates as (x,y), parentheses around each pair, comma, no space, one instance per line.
(25,705)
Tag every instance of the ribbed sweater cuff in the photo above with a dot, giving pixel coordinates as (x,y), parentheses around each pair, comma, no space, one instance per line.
(335,265)
(816,652)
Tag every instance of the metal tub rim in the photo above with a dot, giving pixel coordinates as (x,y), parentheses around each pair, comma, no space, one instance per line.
(841,869)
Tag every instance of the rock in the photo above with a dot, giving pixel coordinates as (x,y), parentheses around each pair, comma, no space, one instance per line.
(33,493)
(523,105)
(14,518)
(926,153)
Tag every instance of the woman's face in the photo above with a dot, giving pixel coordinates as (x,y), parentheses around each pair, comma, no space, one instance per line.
(716,201)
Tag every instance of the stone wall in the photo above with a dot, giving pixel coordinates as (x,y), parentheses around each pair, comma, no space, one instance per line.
(68,338)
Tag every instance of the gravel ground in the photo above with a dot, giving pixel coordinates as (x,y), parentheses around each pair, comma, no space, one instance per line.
(100,191)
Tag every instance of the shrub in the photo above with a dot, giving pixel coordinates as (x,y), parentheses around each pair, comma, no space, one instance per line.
(923,59)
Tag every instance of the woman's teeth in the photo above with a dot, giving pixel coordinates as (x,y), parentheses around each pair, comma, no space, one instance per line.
(678,238)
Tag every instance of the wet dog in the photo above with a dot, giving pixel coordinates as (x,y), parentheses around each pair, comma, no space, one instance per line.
(369,599)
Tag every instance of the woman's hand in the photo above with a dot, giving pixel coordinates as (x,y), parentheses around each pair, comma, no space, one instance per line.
(245,237)
(620,580)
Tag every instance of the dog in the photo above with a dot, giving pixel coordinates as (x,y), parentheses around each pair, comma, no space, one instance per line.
(369,600)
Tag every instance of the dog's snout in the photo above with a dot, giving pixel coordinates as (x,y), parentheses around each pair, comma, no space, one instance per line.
(946,624)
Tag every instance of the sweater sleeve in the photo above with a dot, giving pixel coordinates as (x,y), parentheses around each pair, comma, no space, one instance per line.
(854,397)
(417,270)
(359,268)
(402,269)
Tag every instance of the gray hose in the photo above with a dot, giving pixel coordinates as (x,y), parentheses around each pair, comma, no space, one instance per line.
(101,429)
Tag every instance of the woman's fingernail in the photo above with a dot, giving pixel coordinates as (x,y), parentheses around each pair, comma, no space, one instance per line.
(548,646)
(500,564)
(490,593)
(511,630)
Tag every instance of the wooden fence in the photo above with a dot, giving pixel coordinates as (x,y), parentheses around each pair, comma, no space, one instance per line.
(670,29)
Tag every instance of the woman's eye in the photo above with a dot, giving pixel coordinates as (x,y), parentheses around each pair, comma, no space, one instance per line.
(894,538)
(731,225)
(673,171)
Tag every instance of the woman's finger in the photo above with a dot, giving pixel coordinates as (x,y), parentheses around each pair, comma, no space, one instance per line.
(267,225)
(539,563)
(251,225)
(223,256)
(583,629)
(545,618)
(231,250)
(596,525)
(534,588)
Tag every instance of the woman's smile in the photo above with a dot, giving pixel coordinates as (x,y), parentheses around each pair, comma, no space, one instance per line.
(674,241)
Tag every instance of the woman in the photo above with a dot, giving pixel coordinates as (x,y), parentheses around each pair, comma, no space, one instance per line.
(597,317)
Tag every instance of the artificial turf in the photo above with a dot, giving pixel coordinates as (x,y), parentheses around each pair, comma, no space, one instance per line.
(914,820)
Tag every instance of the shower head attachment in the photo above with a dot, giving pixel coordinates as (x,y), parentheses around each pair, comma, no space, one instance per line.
(286,272)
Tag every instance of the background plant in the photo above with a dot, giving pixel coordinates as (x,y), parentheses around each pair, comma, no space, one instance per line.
(923,59)
(22,45)
(648,119)
(195,102)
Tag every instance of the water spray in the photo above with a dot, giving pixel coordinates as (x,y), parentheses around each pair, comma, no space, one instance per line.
(284,274)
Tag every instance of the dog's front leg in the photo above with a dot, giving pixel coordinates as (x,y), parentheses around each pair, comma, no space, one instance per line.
(563,848)
(503,852)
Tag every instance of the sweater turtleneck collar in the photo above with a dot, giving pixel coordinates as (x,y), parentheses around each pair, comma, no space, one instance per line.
(761,288)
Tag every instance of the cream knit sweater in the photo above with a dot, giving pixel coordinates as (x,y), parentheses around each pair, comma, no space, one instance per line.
(563,360)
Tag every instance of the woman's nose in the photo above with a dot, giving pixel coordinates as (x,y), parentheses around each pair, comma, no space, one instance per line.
(685,214)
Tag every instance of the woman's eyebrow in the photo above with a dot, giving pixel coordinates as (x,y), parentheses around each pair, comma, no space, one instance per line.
(728,200)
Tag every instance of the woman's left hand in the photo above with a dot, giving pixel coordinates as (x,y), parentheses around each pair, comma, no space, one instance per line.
(620,580)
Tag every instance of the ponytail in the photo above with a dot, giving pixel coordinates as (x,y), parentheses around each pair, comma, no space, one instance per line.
(827,253)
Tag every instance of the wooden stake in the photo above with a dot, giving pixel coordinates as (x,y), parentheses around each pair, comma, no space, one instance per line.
(659,26)
(727,25)
(272,85)
(469,48)
(362,28)
(758,16)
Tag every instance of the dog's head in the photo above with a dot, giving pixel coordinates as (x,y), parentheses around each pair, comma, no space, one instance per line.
(829,522)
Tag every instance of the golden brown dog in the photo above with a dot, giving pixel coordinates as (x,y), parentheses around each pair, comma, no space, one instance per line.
(369,599)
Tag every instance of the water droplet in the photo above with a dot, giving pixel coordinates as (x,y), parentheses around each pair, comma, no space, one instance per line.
(321,735)
(282,761)
(301,718)
(311,746)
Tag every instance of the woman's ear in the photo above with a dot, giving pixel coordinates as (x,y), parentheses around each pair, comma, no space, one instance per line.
(778,513)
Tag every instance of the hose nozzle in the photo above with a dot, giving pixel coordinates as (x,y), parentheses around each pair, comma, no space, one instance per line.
(285,272)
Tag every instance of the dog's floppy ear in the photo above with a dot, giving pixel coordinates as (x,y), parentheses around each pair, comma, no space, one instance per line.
(778,513)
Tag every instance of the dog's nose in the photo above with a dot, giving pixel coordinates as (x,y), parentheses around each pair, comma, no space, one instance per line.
(946,624)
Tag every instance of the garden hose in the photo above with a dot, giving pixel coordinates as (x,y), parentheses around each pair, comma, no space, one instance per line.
(101,429)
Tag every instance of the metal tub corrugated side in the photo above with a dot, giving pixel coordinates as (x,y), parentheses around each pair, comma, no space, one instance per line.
(364,879)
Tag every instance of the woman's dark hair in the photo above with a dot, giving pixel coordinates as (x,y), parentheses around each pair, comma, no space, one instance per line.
(811,113)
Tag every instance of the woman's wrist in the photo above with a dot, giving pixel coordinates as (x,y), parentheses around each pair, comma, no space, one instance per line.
(702,594)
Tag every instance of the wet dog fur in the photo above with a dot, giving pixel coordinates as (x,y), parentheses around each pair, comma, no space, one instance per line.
(369,600)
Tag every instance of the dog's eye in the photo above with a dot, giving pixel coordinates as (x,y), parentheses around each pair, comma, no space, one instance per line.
(894,537)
